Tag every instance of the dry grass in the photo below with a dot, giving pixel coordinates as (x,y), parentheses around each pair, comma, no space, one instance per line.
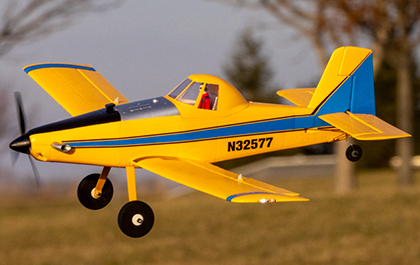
(379,224)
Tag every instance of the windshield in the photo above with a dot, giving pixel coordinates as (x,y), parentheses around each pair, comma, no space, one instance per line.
(174,94)
(191,93)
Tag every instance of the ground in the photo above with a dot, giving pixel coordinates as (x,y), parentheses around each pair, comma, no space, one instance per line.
(378,224)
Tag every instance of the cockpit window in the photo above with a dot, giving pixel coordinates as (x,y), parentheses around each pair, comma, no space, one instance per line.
(209,97)
(191,93)
(203,95)
(180,88)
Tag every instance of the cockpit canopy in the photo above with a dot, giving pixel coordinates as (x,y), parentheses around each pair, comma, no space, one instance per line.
(190,95)
(208,92)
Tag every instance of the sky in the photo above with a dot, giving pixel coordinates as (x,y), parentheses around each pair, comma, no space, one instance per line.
(144,49)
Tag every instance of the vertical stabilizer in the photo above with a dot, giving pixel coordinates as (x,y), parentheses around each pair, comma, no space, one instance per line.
(347,83)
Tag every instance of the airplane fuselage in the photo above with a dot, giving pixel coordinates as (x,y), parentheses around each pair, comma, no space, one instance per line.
(163,127)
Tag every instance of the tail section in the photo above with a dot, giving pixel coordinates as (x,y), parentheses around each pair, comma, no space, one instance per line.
(345,98)
(347,83)
(363,127)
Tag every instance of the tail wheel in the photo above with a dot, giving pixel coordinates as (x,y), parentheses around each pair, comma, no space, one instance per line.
(85,193)
(354,153)
(136,219)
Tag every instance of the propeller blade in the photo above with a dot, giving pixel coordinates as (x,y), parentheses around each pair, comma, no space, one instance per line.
(21,113)
(22,143)
(35,170)
(14,156)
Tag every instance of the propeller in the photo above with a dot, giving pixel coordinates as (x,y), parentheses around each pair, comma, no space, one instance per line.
(21,113)
(22,144)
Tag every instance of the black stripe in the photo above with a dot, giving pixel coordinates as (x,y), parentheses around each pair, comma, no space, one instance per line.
(88,119)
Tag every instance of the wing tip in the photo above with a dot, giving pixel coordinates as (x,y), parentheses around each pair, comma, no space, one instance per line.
(32,67)
(263,197)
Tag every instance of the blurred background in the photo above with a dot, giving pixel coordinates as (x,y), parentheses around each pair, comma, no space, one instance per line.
(145,48)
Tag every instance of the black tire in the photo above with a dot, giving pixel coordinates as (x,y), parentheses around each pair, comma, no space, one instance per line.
(136,219)
(84,193)
(354,153)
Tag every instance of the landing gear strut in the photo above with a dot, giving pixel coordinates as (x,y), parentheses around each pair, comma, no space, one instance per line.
(136,218)
(354,153)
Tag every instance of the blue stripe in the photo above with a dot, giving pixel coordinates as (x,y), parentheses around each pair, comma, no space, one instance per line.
(57,65)
(239,130)
(231,197)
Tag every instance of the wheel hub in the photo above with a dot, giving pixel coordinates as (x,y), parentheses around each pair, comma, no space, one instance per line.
(354,153)
(92,198)
(95,195)
(137,219)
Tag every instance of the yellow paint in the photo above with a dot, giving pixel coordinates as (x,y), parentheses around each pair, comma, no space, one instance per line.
(77,91)
(213,180)
(299,96)
(131,184)
(364,126)
(343,62)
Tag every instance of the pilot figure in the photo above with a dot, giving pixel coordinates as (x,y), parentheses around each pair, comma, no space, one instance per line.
(205,100)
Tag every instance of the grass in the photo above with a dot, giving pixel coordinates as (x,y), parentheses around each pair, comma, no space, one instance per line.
(378,224)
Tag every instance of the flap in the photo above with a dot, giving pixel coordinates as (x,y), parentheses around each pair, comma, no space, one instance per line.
(77,88)
(216,181)
(298,96)
(363,126)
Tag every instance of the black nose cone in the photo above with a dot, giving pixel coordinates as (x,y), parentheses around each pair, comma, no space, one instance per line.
(21,144)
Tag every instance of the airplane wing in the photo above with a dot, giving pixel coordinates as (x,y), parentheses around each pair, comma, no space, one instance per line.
(363,126)
(299,96)
(77,88)
(216,181)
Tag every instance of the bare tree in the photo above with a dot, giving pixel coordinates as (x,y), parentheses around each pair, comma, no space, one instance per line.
(390,27)
(30,20)
(393,27)
(328,24)
(317,21)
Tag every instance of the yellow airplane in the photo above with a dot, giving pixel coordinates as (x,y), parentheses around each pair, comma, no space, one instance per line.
(201,121)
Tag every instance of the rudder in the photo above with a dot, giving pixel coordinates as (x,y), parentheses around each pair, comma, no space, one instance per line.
(347,83)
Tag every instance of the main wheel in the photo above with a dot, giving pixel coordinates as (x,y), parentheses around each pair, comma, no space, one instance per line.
(354,153)
(85,193)
(136,219)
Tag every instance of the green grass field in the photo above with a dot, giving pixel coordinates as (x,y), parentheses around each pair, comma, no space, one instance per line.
(378,224)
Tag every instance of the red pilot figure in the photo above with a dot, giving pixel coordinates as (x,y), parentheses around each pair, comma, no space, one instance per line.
(205,100)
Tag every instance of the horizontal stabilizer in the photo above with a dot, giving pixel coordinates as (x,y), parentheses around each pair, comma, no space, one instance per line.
(298,96)
(77,88)
(363,126)
(216,181)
